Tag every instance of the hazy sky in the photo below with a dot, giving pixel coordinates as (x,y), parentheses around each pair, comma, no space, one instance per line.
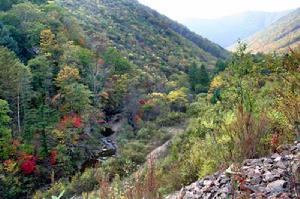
(184,9)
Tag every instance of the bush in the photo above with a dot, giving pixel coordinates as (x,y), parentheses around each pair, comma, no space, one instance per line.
(80,183)
(171,119)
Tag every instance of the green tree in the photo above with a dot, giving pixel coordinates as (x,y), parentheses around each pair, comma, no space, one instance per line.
(14,84)
(199,78)
(5,131)
(6,38)
(74,95)
(25,22)
(42,79)
(220,66)
(120,64)
(7,4)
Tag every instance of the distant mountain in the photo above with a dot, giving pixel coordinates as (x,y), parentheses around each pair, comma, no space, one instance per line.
(283,34)
(142,34)
(227,30)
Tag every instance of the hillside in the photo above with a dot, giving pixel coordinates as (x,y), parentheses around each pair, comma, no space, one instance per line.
(108,99)
(89,83)
(144,35)
(227,30)
(280,36)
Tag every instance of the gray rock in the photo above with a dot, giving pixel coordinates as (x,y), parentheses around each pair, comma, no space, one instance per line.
(277,186)
(275,155)
(267,177)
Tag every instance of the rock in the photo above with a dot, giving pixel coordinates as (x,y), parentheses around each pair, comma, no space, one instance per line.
(281,165)
(267,177)
(275,155)
(277,186)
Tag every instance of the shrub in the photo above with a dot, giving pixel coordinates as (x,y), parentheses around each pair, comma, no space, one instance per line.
(172,118)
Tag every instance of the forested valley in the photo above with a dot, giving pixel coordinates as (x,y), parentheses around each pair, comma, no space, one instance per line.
(109,99)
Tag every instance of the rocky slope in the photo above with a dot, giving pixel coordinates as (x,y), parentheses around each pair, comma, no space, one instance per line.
(277,176)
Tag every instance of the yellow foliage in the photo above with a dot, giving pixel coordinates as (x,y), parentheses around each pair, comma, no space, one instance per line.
(157,95)
(10,166)
(47,41)
(58,134)
(216,82)
(66,74)
(177,96)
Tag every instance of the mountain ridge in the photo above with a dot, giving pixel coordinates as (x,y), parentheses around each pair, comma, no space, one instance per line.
(234,27)
(280,36)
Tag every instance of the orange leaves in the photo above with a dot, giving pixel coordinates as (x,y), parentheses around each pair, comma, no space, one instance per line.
(100,61)
(137,118)
(105,95)
(274,142)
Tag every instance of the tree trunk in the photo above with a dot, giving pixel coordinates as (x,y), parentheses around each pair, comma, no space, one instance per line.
(18,114)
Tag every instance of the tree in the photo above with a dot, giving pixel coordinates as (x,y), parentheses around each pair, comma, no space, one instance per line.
(5,132)
(47,41)
(41,81)
(25,22)
(120,64)
(199,78)
(75,96)
(220,66)
(7,4)
(14,84)
(6,38)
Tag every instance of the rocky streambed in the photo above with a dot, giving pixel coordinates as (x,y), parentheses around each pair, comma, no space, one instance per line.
(276,176)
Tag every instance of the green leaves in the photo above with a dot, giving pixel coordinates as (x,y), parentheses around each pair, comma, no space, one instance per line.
(5,132)
(199,78)
(113,57)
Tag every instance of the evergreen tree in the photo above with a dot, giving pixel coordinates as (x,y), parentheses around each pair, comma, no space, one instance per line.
(199,78)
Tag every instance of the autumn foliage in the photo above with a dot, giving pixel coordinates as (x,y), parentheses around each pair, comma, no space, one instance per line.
(53,157)
(27,163)
(70,120)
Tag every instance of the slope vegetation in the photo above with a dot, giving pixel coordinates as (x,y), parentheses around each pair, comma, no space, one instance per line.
(282,35)
(147,37)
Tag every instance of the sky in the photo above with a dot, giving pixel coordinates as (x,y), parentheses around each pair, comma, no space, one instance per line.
(186,9)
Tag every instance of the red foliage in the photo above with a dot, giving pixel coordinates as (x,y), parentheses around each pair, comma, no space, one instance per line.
(77,122)
(53,157)
(28,164)
(66,120)
(142,101)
